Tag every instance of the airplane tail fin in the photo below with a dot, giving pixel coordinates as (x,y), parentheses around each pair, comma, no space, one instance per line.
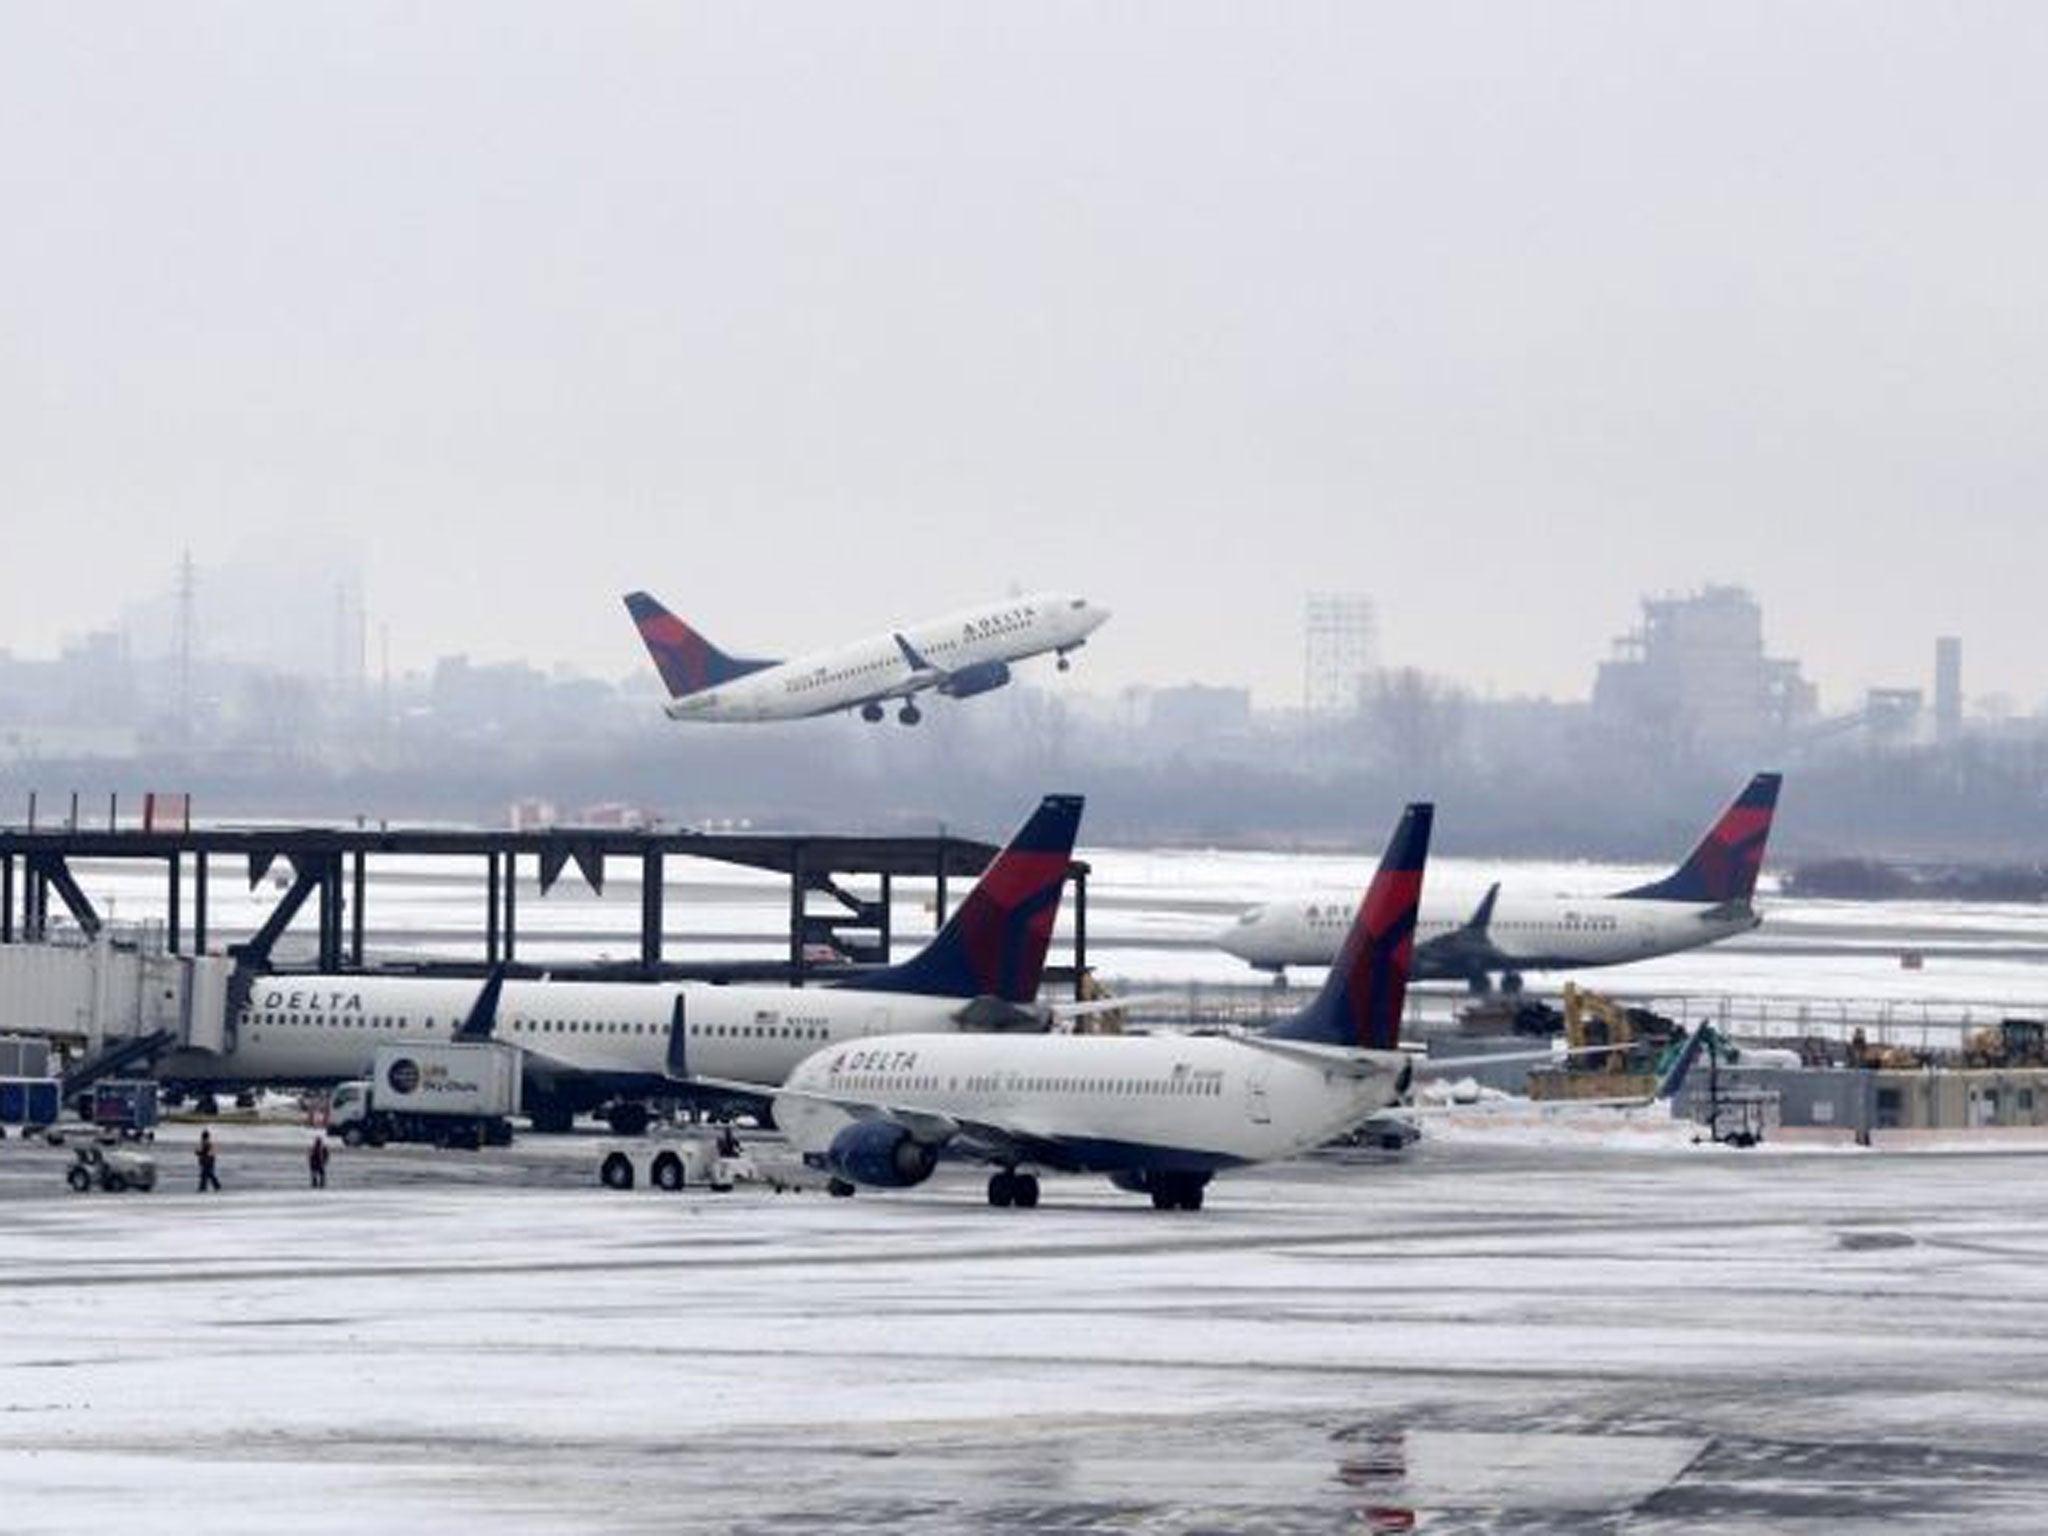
(1360,1004)
(687,662)
(1723,868)
(995,942)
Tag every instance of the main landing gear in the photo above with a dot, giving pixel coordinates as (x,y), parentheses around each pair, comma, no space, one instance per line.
(910,714)
(1009,1187)
(871,711)
(1177,1191)
(1065,664)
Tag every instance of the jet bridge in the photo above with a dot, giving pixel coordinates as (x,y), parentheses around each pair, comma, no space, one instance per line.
(324,873)
(113,996)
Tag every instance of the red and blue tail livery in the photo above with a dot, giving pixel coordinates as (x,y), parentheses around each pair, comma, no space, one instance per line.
(1360,1004)
(687,662)
(995,943)
(1723,868)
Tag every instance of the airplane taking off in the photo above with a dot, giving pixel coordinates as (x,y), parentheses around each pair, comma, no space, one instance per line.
(1705,900)
(959,656)
(588,1044)
(1159,1114)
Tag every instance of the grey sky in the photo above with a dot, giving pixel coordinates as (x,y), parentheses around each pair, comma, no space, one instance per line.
(817,318)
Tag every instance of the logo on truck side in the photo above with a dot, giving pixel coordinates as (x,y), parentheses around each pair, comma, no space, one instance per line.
(403,1075)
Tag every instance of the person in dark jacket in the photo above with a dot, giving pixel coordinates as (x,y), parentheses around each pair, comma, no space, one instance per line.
(208,1179)
(316,1162)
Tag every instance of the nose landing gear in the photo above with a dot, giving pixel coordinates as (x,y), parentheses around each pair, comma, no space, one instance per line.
(871,711)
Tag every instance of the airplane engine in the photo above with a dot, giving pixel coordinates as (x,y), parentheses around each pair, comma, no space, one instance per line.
(979,678)
(884,1156)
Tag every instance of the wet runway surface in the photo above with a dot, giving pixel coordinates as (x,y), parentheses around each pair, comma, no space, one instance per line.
(1482,1336)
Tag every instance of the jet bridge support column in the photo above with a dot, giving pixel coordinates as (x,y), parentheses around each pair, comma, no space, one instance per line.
(330,913)
(650,911)
(7,899)
(491,909)
(355,912)
(174,923)
(199,903)
(511,906)
(883,938)
(797,904)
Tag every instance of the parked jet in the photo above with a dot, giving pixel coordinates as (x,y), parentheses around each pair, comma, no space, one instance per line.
(959,655)
(1160,1114)
(1706,899)
(588,1044)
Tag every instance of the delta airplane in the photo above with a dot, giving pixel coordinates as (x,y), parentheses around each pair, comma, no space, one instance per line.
(959,656)
(1705,900)
(587,1044)
(1159,1114)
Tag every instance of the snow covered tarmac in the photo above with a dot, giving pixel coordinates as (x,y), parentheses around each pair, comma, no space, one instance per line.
(1490,1333)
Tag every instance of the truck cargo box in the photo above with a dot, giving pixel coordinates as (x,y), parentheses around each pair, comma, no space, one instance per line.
(458,1077)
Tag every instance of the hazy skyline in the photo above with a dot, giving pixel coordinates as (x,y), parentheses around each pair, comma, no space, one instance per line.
(812,319)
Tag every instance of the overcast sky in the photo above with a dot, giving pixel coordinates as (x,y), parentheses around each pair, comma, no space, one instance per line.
(815,319)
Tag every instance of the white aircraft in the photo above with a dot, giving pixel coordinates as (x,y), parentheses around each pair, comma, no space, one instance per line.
(1708,898)
(588,1044)
(959,655)
(1160,1114)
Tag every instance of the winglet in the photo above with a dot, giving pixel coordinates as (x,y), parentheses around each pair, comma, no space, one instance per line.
(1360,1004)
(1723,867)
(912,656)
(1482,916)
(482,1021)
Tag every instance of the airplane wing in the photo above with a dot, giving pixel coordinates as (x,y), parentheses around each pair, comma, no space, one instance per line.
(1333,1059)
(980,1141)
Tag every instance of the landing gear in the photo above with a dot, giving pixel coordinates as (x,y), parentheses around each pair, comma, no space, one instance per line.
(910,714)
(627,1119)
(551,1117)
(1008,1187)
(871,711)
(1065,665)
(1511,983)
(1178,1191)
(1478,985)
(839,1189)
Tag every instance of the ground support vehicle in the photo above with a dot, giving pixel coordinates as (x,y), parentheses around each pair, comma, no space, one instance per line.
(449,1094)
(111,1168)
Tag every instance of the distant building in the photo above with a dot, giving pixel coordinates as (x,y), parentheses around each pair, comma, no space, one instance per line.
(1695,673)
(1340,636)
(1948,688)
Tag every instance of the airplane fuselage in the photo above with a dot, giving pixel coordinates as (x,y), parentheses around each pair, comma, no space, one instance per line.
(316,1030)
(1102,1103)
(1558,933)
(971,649)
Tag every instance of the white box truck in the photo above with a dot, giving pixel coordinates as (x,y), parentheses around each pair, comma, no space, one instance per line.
(457,1093)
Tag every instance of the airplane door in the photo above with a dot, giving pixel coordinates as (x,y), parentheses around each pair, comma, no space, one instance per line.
(1257,1105)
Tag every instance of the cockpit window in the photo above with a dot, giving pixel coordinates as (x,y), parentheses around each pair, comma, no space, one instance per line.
(1079,602)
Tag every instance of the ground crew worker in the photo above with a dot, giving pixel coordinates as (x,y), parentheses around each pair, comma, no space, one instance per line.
(316,1162)
(208,1179)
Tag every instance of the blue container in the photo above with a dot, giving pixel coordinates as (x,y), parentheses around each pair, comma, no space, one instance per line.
(28,1100)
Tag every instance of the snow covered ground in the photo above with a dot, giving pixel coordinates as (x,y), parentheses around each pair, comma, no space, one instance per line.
(1613,1330)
